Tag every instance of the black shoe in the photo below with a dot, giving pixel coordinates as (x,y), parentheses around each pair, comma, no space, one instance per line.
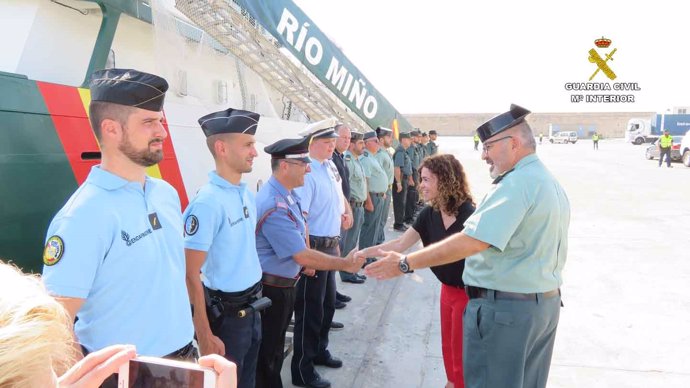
(351,278)
(339,305)
(318,382)
(369,260)
(342,297)
(330,362)
(363,277)
(337,325)
(400,228)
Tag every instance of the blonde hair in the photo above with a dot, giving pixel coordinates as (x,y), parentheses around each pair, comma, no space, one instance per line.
(35,330)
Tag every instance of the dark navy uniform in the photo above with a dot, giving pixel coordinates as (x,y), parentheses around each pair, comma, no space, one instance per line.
(402,160)
(280,234)
(221,221)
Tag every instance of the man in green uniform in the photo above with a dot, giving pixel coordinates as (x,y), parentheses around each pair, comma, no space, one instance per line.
(516,244)
(377,184)
(358,196)
(415,154)
(385,159)
(403,178)
(431,147)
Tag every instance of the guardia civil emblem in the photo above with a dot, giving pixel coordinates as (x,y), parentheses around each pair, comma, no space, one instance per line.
(602,64)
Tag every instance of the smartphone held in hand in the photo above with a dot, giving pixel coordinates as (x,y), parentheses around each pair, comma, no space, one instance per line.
(153,372)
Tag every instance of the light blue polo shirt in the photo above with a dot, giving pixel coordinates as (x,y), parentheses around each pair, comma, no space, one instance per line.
(221,220)
(386,161)
(281,230)
(320,198)
(122,251)
(376,177)
(525,219)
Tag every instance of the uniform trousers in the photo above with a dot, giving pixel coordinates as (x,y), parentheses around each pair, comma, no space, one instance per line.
(509,343)
(275,322)
(242,339)
(314,310)
(384,217)
(399,200)
(352,234)
(453,303)
(372,223)
(412,198)
(596,144)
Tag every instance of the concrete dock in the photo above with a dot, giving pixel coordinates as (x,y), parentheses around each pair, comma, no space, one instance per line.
(626,290)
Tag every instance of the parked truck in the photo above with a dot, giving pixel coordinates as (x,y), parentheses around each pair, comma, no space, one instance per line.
(646,130)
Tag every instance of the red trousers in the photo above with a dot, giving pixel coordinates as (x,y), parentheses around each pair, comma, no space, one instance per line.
(453,302)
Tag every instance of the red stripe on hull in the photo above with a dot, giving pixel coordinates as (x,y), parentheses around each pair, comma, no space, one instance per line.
(170,169)
(72,126)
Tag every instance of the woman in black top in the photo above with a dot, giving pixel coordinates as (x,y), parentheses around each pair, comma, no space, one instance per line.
(449,203)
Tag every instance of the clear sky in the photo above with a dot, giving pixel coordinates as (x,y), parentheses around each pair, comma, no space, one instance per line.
(456,56)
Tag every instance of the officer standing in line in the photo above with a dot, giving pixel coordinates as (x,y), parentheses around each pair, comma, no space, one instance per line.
(377,184)
(476,141)
(359,196)
(403,179)
(515,244)
(421,146)
(385,159)
(342,142)
(414,152)
(323,207)
(220,225)
(114,255)
(431,147)
(281,243)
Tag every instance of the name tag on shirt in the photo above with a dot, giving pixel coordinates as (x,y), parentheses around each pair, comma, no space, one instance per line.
(154,221)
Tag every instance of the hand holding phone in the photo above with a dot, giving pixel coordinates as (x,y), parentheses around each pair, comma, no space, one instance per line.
(152,372)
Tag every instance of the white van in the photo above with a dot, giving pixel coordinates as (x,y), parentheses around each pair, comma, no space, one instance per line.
(564,137)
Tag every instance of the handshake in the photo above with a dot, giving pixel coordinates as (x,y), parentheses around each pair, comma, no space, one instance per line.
(388,266)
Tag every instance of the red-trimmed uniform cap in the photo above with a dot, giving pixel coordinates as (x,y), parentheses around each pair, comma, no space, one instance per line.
(294,149)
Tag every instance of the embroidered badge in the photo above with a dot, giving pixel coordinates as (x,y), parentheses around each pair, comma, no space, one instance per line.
(155,222)
(53,251)
(191,225)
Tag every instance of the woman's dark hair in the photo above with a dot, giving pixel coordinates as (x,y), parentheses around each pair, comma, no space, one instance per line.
(453,187)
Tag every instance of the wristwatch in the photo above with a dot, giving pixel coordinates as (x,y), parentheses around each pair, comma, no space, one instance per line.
(404,266)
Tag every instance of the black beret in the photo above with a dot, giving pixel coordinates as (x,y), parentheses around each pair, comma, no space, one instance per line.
(230,121)
(381,131)
(356,136)
(404,135)
(295,149)
(129,87)
(500,123)
(370,135)
(432,132)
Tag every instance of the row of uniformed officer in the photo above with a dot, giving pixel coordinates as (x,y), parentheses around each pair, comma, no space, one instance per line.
(403,179)
(358,198)
(282,243)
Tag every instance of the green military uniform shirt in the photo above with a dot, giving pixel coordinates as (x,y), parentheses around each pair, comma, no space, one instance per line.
(401,159)
(525,218)
(358,183)
(386,162)
(413,153)
(376,177)
(431,148)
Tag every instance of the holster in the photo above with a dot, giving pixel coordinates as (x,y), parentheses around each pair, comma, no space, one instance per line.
(214,310)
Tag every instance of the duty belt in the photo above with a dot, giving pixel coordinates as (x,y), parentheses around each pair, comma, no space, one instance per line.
(356,204)
(479,292)
(278,281)
(317,242)
(377,194)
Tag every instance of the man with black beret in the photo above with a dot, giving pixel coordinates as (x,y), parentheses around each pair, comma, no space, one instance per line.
(114,256)
(220,245)
(515,244)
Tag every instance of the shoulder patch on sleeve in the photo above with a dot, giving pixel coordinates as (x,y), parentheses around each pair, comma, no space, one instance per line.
(280,203)
(53,251)
(191,225)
